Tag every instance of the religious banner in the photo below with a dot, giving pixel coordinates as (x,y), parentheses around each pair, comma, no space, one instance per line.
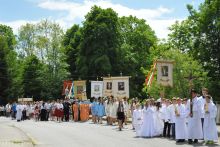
(121,87)
(107,89)
(25,99)
(71,92)
(80,90)
(165,72)
(96,89)
(66,87)
(116,86)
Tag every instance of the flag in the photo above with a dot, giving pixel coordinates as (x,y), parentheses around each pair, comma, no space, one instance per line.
(71,92)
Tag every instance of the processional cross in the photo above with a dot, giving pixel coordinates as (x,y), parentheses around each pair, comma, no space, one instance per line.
(190,78)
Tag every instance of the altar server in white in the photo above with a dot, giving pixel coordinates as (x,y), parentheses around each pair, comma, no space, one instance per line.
(180,122)
(209,127)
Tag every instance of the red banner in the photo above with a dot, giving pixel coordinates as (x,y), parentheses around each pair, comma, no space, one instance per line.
(66,87)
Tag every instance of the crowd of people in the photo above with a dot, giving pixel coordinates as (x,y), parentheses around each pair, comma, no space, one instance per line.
(60,110)
(180,119)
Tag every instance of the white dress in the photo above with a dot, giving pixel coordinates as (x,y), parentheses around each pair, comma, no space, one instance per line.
(127,109)
(148,128)
(209,127)
(159,125)
(107,109)
(180,123)
(113,110)
(137,120)
(195,123)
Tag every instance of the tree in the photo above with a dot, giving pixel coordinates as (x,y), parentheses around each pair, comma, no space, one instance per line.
(31,77)
(183,66)
(4,75)
(44,40)
(10,57)
(26,39)
(199,36)
(71,43)
(7,32)
(98,48)
(137,39)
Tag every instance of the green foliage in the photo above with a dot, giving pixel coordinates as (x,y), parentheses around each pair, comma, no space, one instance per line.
(31,82)
(71,43)
(44,41)
(4,75)
(107,44)
(137,39)
(199,36)
(183,66)
(99,43)
(43,56)
(8,62)
(7,32)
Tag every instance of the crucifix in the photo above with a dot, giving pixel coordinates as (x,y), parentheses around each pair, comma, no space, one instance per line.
(190,79)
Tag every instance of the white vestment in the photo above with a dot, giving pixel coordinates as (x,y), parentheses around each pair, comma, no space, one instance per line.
(180,123)
(165,113)
(209,127)
(148,128)
(171,109)
(137,121)
(194,123)
(19,109)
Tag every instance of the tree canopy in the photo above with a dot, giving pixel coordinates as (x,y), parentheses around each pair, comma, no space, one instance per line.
(36,62)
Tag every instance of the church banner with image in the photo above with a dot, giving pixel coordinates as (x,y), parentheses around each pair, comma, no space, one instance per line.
(107,89)
(121,87)
(80,90)
(66,87)
(96,89)
(165,72)
(116,86)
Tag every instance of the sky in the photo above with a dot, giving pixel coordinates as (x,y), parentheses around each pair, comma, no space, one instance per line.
(159,14)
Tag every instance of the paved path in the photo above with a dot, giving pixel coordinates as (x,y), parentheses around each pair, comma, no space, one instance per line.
(71,134)
(12,136)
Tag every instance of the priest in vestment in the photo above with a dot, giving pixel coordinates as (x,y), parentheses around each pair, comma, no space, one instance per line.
(19,109)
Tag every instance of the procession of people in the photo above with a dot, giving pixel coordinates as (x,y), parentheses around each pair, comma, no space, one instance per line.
(179,119)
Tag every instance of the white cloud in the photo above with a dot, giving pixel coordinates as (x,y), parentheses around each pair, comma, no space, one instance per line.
(75,12)
(15,25)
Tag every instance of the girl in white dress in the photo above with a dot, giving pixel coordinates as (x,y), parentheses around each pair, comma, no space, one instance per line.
(159,125)
(148,127)
(209,127)
(137,119)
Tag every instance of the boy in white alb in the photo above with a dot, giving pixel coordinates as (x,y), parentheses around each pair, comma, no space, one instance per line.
(180,122)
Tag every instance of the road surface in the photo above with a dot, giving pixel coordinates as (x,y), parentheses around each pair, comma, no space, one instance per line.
(75,134)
